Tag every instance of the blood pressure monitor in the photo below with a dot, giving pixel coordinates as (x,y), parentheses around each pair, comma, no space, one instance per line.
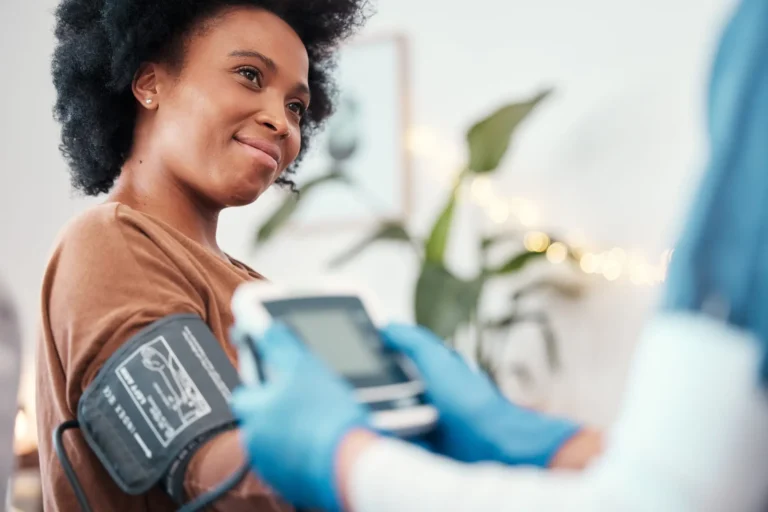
(340,325)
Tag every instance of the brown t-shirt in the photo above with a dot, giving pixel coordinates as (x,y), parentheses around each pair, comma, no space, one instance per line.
(115,270)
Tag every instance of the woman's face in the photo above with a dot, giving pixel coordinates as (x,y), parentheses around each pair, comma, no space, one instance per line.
(227,124)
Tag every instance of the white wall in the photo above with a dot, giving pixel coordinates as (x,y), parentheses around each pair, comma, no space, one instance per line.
(613,154)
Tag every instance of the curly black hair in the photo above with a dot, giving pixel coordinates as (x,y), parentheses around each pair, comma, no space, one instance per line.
(102,43)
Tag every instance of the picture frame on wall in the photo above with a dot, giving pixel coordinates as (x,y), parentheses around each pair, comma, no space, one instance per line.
(364,141)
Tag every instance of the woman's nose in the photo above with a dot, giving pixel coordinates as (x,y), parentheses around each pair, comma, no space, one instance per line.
(274,118)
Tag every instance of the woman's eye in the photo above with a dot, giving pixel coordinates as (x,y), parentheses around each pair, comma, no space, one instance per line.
(297,108)
(251,74)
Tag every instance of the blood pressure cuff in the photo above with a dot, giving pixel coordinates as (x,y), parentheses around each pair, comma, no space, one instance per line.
(163,394)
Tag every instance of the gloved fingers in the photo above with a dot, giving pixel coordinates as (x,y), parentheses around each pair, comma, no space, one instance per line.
(280,348)
(416,342)
(249,402)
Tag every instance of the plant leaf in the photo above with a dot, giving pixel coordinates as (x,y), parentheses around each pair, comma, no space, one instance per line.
(286,210)
(489,138)
(506,236)
(394,231)
(443,301)
(434,249)
(516,263)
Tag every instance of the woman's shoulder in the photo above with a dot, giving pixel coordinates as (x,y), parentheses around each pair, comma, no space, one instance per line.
(106,236)
(111,248)
(99,219)
(100,227)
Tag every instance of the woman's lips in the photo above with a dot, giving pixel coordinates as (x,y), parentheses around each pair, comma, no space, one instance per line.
(263,151)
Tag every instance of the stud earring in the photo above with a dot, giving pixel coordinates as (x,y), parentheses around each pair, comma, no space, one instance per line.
(148,100)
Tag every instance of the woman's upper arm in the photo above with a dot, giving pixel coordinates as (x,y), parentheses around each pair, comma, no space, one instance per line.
(103,286)
(214,463)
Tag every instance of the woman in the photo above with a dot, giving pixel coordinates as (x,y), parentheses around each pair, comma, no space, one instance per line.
(692,435)
(177,109)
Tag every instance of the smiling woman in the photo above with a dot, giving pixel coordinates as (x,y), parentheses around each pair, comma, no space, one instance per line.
(228,123)
(176,110)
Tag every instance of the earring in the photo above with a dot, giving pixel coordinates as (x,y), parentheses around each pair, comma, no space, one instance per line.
(148,100)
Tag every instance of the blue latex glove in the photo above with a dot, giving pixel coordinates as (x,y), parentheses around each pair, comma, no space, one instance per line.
(292,424)
(476,422)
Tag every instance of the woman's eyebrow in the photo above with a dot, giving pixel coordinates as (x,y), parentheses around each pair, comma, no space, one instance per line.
(301,87)
(254,54)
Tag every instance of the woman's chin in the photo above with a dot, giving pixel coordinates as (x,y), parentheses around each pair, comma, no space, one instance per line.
(244,193)
(244,198)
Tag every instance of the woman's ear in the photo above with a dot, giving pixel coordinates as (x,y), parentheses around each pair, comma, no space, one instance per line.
(145,85)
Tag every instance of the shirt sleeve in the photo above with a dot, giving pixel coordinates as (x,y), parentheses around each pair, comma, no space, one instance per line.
(394,476)
(106,282)
(111,281)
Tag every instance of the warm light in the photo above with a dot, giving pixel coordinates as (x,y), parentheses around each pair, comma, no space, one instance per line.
(528,214)
(499,213)
(588,263)
(576,238)
(422,141)
(636,257)
(611,270)
(425,141)
(536,241)
(557,252)
(642,274)
(619,255)
(515,203)
(24,439)
(481,189)
(599,261)
(636,275)
(21,430)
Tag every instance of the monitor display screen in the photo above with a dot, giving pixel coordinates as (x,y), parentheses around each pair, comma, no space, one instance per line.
(339,331)
(339,340)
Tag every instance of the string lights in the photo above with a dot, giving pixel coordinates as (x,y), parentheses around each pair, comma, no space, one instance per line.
(612,264)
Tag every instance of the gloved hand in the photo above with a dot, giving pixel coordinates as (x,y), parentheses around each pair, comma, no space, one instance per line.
(476,422)
(293,423)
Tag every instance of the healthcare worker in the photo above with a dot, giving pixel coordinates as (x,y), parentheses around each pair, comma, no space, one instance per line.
(692,434)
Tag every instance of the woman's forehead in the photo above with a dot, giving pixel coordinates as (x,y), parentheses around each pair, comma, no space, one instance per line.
(243,30)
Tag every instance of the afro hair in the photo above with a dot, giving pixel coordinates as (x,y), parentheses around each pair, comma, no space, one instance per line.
(102,43)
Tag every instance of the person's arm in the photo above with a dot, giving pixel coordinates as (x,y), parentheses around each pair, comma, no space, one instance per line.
(111,281)
(213,463)
(690,437)
(387,475)
(477,423)
(309,438)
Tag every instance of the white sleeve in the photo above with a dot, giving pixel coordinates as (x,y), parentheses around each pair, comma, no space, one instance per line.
(393,476)
(692,436)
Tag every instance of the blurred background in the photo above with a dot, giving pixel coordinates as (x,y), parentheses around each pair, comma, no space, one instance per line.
(602,102)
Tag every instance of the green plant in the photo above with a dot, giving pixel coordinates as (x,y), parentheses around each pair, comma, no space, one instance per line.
(444,302)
